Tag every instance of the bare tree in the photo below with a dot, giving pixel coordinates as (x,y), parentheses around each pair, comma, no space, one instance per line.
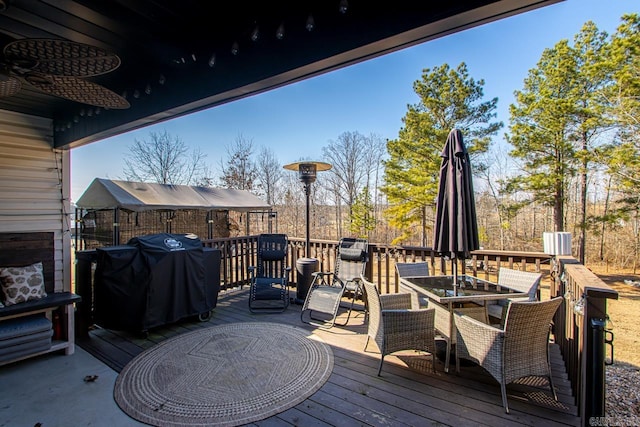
(375,150)
(347,156)
(239,170)
(269,173)
(206,179)
(291,218)
(165,159)
(496,175)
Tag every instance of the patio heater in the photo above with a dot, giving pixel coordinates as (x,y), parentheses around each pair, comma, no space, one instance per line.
(305,267)
(307,172)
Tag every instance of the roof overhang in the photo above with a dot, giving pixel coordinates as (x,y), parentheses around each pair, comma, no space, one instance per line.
(181,57)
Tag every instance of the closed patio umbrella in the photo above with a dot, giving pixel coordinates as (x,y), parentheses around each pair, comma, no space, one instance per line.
(456,228)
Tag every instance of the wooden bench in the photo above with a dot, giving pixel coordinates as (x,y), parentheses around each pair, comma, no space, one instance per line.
(64,338)
(20,249)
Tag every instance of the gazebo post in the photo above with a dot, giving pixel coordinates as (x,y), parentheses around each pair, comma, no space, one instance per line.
(116,227)
(270,220)
(210,225)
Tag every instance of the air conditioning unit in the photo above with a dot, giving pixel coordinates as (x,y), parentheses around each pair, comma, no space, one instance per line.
(557,243)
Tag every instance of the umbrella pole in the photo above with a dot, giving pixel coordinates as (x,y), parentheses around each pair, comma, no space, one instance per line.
(454,268)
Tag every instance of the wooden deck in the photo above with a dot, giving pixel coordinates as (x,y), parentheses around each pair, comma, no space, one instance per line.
(407,393)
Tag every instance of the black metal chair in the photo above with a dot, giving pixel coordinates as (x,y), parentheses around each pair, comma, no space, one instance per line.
(269,290)
(328,288)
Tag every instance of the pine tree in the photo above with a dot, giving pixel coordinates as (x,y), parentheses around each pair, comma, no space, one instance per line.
(449,99)
(556,123)
(362,215)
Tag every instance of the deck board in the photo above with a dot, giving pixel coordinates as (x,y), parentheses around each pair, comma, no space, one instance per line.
(407,392)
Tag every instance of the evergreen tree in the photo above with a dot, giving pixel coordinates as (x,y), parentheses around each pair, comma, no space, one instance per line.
(540,128)
(624,101)
(449,99)
(362,215)
(592,77)
(557,121)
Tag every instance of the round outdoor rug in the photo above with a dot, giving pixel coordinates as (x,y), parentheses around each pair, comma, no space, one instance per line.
(225,375)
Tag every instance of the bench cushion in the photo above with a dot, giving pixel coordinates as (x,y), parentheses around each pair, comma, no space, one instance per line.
(40,344)
(21,326)
(52,300)
(22,350)
(38,336)
(24,336)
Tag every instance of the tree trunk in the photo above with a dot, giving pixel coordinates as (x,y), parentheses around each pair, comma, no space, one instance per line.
(558,208)
(583,204)
(424,226)
(636,244)
(604,218)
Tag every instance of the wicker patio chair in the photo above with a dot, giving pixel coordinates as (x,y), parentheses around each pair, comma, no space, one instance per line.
(521,281)
(446,328)
(327,289)
(394,326)
(413,269)
(269,290)
(520,349)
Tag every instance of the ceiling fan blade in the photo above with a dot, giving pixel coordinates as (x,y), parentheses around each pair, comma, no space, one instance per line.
(9,86)
(80,90)
(61,57)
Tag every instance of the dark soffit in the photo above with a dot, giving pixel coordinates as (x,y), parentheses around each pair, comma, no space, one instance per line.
(172,41)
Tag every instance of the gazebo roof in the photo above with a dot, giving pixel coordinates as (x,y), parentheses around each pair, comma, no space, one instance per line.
(143,196)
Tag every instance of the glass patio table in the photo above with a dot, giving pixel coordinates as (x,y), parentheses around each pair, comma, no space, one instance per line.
(470,296)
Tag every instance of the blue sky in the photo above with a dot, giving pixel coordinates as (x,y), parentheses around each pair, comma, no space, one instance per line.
(371,97)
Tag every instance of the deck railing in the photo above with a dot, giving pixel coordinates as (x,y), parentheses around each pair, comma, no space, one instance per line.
(579,326)
(240,252)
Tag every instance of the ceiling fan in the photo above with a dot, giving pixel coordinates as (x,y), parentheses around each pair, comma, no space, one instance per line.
(58,67)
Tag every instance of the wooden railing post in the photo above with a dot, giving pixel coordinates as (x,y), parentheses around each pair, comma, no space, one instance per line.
(576,323)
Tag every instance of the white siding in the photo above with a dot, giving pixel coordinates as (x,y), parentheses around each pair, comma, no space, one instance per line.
(35,185)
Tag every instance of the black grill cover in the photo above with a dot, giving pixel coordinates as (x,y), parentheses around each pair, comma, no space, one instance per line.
(155,280)
(121,288)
